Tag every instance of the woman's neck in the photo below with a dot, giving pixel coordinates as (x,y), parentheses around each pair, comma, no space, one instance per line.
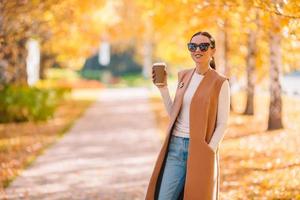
(202,68)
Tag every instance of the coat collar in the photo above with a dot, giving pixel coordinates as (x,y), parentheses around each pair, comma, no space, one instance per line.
(185,80)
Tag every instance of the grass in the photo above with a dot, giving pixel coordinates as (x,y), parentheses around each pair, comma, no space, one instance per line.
(255,163)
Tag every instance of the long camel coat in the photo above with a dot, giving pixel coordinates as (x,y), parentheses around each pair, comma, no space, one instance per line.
(202,175)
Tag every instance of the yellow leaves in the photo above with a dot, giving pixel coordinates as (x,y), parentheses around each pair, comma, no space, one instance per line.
(168,22)
(48,16)
(284,22)
(107,15)
(252,26)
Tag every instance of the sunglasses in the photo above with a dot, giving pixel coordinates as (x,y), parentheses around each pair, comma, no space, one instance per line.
(202,46)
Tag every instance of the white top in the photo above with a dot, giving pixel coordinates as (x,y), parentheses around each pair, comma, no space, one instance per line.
(181,127)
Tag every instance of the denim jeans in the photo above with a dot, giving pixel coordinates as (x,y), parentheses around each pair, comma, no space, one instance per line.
(173,178)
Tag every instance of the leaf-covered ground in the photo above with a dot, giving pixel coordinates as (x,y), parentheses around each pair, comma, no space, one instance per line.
(20,143)
(255,163)
(106,155)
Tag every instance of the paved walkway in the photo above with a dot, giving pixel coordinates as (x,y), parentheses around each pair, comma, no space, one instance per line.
(108,154)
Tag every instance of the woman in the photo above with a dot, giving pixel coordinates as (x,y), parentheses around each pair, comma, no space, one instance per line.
(187,166)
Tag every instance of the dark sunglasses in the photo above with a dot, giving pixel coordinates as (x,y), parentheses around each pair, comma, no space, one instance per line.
(202,46)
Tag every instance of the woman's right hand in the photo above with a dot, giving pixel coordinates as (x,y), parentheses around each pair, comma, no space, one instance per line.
(165,79)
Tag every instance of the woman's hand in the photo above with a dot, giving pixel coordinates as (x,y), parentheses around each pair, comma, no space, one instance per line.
(165,79)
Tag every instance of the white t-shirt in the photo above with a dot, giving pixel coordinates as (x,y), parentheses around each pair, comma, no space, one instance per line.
(181,127)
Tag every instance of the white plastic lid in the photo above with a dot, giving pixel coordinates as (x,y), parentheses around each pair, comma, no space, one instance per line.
(159,64)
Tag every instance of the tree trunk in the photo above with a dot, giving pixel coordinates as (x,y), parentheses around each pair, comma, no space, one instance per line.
(13,50)
(147,67)
(222,59)
(148,50)
(226,57)
(275,107)
(13,62)
(249,109)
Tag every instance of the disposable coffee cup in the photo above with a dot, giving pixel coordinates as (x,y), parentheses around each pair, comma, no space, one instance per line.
(159,71)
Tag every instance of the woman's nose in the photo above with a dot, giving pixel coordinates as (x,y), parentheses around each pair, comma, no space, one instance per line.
(197,48)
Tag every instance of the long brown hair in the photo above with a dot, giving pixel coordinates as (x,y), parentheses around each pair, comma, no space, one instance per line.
(212,63)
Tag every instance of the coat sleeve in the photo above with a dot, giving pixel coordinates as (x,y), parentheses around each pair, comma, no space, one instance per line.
(222,116)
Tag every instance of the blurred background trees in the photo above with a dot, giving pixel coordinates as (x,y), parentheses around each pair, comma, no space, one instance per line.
(253,38)
(55,49)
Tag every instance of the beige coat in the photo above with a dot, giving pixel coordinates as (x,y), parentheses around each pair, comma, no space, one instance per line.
(202,175)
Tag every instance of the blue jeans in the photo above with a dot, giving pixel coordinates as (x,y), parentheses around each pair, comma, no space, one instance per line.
(173,178)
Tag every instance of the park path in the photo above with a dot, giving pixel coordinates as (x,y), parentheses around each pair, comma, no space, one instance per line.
(109,153)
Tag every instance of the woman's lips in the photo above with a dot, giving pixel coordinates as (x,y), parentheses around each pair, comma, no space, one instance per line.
(198,55)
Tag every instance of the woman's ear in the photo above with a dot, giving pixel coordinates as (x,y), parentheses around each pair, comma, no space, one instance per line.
(213,52)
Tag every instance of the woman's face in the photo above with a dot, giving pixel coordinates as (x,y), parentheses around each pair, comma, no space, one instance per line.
(199,56)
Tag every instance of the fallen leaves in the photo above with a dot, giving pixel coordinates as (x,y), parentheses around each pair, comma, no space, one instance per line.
(20,143)
(255,163)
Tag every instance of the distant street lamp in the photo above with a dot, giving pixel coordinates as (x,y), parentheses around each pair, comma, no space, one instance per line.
(33,61)
(104,53)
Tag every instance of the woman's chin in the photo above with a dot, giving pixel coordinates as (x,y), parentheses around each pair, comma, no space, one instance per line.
(198,60)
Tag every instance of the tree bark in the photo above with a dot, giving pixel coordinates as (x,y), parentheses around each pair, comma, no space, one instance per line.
(249,109)
(148,49)
(275,106)
(222,58)
(13,50)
